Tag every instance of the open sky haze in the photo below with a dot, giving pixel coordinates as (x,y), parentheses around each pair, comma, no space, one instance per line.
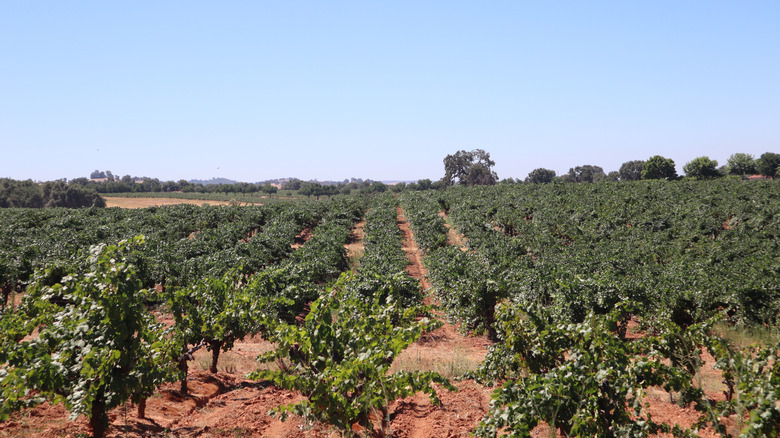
(254,90)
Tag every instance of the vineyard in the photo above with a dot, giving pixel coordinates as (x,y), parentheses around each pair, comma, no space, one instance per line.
(598,302)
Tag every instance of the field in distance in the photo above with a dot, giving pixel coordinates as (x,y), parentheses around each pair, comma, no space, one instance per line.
(155,202)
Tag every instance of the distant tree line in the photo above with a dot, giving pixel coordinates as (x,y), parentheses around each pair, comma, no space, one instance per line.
(658,167)
(29,194)
(462,168)
(317,189)
(106,182)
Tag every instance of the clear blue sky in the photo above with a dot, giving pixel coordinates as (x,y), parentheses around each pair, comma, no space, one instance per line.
(254,90)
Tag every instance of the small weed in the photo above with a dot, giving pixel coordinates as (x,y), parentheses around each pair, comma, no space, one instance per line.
(744,336)
(354,259)
(451,364)
(203,362)
(231,362)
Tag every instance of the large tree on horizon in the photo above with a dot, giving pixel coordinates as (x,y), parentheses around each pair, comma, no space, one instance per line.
(768,164)
(741,164)
(658,167)
(701,168)
(631,170)
(585,173)
(540,176)
(469,168)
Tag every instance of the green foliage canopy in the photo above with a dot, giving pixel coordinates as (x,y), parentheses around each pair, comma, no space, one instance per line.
(585,173)
(216,310)
(540,176)
(631,170)
(580,378)
(97,348)
(768,164)
(339,359)
(658,167)
(742,164)
(469,168)
(27,194)
(701,168)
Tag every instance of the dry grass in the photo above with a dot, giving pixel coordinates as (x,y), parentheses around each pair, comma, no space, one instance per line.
(354,246)
(454,238)
(154,202)
(241,360)
(354,259)
(742,336)
(449,362)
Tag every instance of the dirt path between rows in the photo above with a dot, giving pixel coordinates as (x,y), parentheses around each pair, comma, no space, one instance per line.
(447,352)
(415,268)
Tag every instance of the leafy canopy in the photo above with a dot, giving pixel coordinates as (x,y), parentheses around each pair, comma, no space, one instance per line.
(658,167)
(540,176)
(701,168)
(580,378)
(469,168)
(339,359)
(95,350)
(742,164)
(585,173)
(216,310)
(631,170)
(768,164)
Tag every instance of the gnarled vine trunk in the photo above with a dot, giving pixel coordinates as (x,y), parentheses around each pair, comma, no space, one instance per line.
(142,408)
(216,347)
(98,420)
(184,367)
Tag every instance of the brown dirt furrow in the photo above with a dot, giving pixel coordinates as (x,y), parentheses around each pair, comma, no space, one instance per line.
(302,238)
(245,412)
(447,352)
(459,413)
(415,268)
(164,411)
(219,405)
